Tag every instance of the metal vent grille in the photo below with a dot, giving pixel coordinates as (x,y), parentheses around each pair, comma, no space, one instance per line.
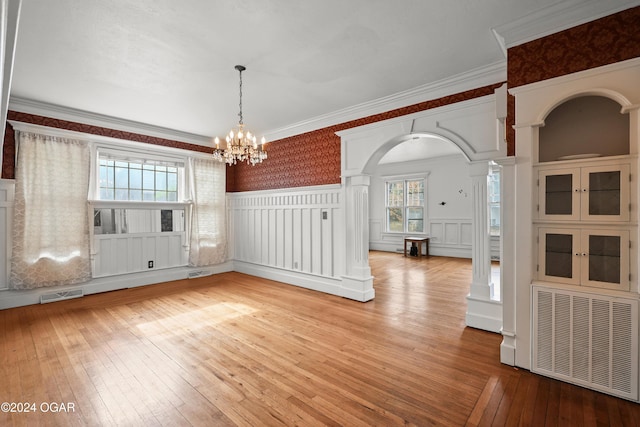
(586,339)
(58,296)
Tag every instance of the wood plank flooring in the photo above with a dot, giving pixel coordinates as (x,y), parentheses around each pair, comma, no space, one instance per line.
(233,349)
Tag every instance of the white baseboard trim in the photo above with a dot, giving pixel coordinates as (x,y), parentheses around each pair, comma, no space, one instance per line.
(18,298)
(485,323)
(308,281)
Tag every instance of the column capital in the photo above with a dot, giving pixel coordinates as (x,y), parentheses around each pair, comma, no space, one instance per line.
(479,168)
(360,180)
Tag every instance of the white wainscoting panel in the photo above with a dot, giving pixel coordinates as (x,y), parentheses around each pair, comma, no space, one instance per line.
(447,237)
(130,253)
(299,230)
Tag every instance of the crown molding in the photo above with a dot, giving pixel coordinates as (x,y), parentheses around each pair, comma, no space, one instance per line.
(479,77)
(28,106)
(556,18)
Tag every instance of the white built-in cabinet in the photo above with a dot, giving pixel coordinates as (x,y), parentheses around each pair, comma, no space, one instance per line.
(589,193)
(576,241)
(587,257)
(582,224)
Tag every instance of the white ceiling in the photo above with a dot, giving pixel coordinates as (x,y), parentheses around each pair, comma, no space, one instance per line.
(171,63)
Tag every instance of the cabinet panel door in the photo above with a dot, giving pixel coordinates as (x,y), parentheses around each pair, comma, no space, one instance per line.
(605,193)
(559,194)
(605,259)
(559,255)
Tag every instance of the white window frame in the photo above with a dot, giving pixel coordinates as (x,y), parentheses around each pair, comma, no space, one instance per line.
(405,179)
(136,156)
(494,170)
(144,162)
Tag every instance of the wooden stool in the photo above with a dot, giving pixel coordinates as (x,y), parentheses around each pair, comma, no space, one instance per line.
(418,241)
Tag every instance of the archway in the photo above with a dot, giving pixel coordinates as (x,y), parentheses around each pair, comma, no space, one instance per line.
(471,127)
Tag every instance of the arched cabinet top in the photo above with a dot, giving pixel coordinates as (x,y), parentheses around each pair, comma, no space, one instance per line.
(585,125)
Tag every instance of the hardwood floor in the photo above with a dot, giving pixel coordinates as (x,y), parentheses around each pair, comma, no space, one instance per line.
(233,349)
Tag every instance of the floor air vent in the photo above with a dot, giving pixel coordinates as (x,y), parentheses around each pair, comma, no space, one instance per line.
(59,296)
(200,273)
(586,339)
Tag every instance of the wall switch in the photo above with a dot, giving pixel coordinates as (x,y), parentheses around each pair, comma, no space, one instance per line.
(150,264)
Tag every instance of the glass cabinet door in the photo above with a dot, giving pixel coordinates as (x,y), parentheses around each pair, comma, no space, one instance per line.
(559,256)
(559,197)
(605,258)
(605,193)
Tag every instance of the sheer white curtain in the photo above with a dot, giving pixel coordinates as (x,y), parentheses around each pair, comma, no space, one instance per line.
(208,237)
(50,225)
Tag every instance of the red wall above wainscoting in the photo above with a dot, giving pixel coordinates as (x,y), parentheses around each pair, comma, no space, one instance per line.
(8,159)
(313,158)
(605,41)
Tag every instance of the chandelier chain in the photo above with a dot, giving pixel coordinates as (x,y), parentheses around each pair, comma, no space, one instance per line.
(240,113)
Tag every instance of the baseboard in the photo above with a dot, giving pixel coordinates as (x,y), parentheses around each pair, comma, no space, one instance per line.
(317,283)
(485,323)
(19,298)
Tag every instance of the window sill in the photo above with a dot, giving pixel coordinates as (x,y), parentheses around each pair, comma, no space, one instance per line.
(137,204)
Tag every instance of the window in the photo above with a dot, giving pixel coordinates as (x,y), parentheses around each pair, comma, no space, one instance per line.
(405,205)
(494,200)
(138,180)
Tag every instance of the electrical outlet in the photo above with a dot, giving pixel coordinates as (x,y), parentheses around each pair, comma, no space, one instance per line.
(150,264)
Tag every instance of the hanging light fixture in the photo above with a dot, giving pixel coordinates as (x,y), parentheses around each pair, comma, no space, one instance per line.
(240,145)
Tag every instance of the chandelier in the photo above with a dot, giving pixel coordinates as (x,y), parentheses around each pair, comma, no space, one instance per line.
(240,145)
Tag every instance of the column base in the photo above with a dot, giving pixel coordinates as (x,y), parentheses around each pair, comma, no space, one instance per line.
(482,290)
(484,314)
(358,288)
(508,348)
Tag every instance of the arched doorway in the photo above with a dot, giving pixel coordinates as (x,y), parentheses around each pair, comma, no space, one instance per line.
(472,129)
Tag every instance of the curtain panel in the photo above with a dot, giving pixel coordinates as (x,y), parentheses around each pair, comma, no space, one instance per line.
(51,225)
(208,235)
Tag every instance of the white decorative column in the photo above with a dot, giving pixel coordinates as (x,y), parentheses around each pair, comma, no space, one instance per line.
(483,312)
(357,284)
(508,258)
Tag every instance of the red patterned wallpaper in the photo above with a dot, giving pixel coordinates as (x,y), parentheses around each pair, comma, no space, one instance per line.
(8,159)
(605,41)
(313,158)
